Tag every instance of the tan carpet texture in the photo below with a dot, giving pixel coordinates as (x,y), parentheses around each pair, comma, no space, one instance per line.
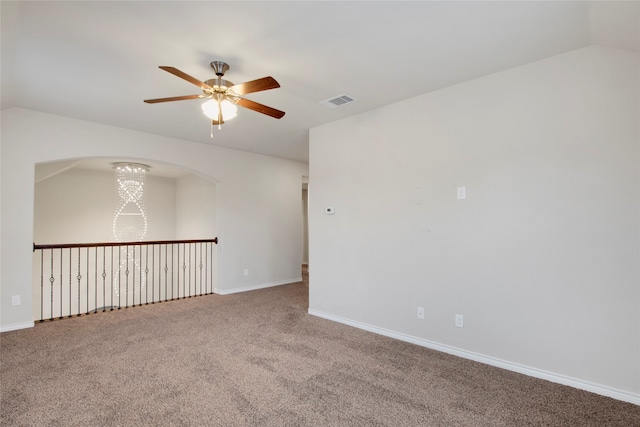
(258,359)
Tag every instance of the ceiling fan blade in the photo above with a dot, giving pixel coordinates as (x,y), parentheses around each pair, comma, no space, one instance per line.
(187,77)
(264,83)
(174,98)
(260,108)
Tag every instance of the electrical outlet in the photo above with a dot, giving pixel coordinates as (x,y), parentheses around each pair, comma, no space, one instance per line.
(459,320)
(420,312)
(246,271)
(15,300)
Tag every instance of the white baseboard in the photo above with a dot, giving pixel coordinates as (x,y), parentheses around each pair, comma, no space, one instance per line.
(16,326)
(510,366)
(256,287)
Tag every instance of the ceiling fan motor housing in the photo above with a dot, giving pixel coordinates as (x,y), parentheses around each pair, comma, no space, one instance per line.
(219,85)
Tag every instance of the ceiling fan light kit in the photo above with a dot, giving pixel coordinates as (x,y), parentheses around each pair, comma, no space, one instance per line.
(212,109)
(223,95)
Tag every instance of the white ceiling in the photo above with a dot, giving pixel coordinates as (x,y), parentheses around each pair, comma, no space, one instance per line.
(98,61)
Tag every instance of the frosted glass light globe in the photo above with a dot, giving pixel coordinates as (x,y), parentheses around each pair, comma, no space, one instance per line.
(229,110)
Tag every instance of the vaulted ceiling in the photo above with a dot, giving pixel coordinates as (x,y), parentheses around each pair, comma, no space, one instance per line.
(98,61)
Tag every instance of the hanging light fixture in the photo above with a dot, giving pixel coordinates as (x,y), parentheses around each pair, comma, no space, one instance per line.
(211,110)
(130,217)
(129,222)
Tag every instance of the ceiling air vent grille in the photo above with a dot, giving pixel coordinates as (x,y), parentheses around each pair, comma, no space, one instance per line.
(338,101)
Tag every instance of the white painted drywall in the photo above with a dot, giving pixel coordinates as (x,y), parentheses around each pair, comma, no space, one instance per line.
(542,257)
(257,199)
(195,208)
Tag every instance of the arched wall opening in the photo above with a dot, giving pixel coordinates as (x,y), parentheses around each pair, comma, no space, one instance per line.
(78,201)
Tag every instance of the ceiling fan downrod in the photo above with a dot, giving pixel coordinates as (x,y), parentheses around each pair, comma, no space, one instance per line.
(219,68)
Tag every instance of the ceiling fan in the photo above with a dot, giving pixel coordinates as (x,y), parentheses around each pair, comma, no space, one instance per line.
(223,95)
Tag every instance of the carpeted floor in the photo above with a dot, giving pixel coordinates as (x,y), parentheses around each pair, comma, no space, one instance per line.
(258,359)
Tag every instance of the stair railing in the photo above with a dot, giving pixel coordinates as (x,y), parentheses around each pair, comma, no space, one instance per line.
(82,278)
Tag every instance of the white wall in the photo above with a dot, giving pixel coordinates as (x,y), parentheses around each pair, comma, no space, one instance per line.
(542,258)
(257,199)
(195,208)
(77,206)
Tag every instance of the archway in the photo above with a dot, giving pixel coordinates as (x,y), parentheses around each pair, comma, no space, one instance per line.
(74,202)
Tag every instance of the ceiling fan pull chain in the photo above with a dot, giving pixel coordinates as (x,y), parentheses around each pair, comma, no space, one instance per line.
(211,135)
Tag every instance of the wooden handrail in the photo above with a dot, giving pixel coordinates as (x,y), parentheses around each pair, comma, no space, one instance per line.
(147,242)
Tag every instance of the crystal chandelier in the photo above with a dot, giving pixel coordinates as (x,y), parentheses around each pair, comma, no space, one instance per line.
(130,218)
(129,223)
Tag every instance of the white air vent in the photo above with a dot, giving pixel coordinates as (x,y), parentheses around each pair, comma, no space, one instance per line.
(338,101)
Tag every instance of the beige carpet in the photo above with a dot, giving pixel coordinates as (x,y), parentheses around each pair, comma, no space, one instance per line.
(258,359)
